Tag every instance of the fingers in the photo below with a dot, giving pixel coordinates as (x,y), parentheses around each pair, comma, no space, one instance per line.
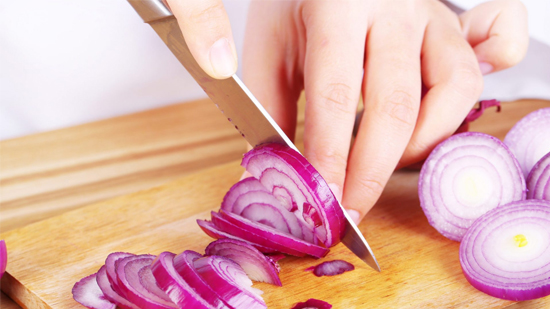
(452,75)
(207,32)
(336,32)
(498,32)
(392,98)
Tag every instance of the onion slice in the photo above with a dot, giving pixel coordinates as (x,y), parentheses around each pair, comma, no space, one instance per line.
(3,257)
(108,291)
(256,265)
(464,177)
(110,268)
(331,268)
(229,281)
(506,252)
(528,139)
(173,284)
(313,303)
(538,181)
(87,292)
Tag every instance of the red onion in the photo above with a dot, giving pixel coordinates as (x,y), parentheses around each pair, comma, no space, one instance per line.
(295,182)
(313,303)
(257,266)
(3,257)
(229,281)
(173,284)
(110,268)
(331,268)
(87,292)
(529,139)
(464,177)
(506,252)
(108,291)
(538,181)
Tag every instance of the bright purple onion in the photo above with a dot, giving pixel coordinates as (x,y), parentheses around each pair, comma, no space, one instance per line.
(506,252)
(173,284)
(229,281)
(108,291)
(245,185)
(87,293)
(138,284)
(110,268)
(331,268)
(464,177)
(538,181)
(278,166)
(265,236)
(3,257)
(213,231)
(255,264)
(313,303)
(183,264)
(529,139)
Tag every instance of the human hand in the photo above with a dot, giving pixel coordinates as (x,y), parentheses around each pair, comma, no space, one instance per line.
(324,46)
(207,32)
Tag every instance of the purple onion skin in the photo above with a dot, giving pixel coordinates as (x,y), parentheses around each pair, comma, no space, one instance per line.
(517,281)
(3,257)
(331,268)
(538,181)
(87,292)
(313,303)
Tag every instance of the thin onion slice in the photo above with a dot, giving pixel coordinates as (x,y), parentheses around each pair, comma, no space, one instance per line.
(108,291)
(538,181)
(313,303)
(256,265)
(506,252)
(229,281)
(87,292)
(290,177)
(529,139)
(331,268)
(183,264)
(464,177)
(3,257)
(173,284)
(110,268)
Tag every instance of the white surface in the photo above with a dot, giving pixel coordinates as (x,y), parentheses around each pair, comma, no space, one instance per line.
(66,62)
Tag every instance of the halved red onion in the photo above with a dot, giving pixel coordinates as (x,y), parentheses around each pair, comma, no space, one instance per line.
(138,284)
(229,281)
(265,235)
(183,264)
(538,181)
(108,291)
(464,177)
(331,268)
(173,284)
(87,292)
(256,265)
(3,257)
(313,303)
(291,178)
(528,139)
(213,231)
(506,252)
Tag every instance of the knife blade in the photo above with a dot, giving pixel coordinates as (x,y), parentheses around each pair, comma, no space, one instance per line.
(237,103)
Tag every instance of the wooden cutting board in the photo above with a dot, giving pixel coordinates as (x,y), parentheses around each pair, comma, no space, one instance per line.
(420,268)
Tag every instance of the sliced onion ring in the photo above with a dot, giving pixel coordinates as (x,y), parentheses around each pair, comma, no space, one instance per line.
(110,294)
(87,292)
(538,181)
(256,265)
(506,252)
(464,177)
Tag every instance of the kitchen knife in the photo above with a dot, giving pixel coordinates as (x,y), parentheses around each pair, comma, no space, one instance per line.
(236,102)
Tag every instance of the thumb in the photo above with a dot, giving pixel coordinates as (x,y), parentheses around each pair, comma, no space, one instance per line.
(497,30)
(207,32)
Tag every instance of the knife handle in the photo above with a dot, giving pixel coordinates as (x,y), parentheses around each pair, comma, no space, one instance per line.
(151,10)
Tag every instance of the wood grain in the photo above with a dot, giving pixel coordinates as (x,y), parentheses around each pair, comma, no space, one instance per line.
(420,267)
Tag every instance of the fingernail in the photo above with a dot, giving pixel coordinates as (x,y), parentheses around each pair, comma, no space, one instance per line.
(354,215)
(222,59)
(485,68)
(246,174)
(336,191)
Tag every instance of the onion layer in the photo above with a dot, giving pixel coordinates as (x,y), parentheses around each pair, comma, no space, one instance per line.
(506,252)
(110,294)
(3,257)
(87,292)
(528,139)
(464,177)
(538,181)
(313,303)
(331,268)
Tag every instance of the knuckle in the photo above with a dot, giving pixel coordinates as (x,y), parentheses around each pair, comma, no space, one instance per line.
(467,80)
(511,53)
(399,106)
(338,98)
(371,186)
(331,160)
(207,13)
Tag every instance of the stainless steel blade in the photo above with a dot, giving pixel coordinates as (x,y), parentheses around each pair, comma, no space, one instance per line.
(236,102)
